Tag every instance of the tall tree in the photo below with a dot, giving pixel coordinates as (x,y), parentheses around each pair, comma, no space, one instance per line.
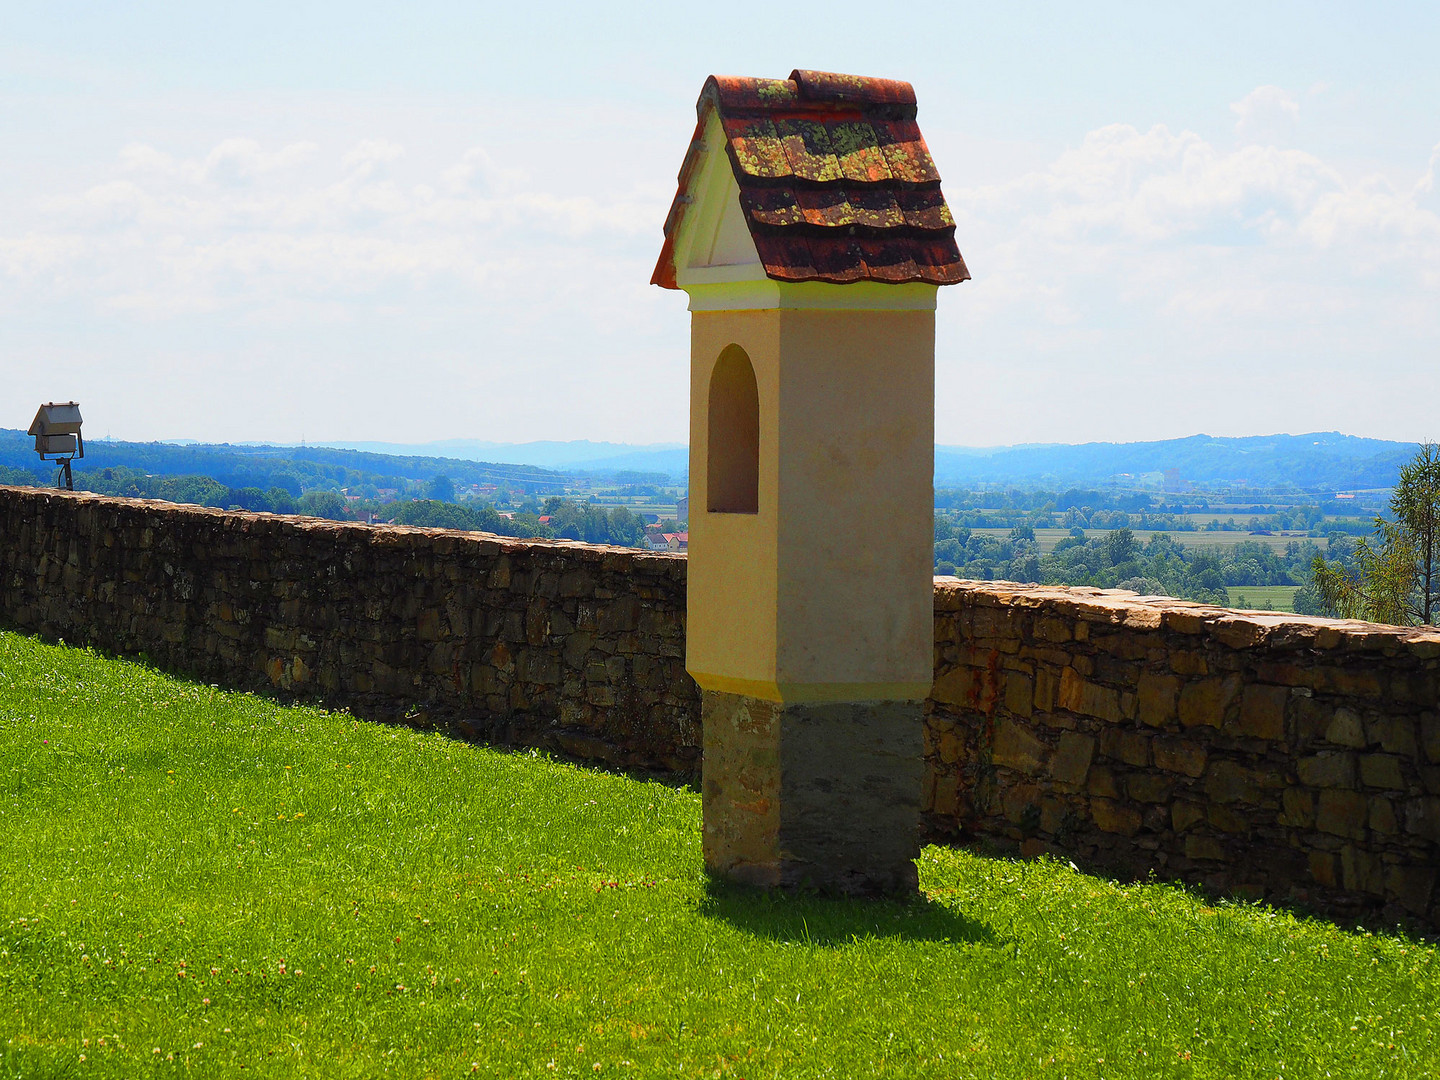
(1394,577)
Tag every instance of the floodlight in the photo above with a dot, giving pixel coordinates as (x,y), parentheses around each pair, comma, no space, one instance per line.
(56,428)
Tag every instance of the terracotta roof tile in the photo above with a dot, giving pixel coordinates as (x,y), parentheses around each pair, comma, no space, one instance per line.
(756,148)
(835,179)
(828,85)
(857,147)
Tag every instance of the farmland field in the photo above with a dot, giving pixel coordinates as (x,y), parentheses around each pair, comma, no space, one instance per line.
(1263,597)
(1048,538)
(635,504)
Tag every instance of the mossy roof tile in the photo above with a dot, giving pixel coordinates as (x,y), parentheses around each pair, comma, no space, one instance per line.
(835,179)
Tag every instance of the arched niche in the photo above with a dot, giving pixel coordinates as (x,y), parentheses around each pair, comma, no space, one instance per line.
(732,475)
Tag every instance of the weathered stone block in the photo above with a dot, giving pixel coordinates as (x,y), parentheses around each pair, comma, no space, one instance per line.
(1185,662)
(1205,848)
(1327,770)
(1412,886)
(1179,756)
(1079,695)
(1184,814)
(1348,682)
(1345,729)
(1054,815)
(1430,735)
(951,745)
(1262,712)
(1342,813)
(959,686)
(1102,783)
(1422,817)
(1297,808)
(1382,816)
(1395,734)
(946,795)
(1047,689)
(1016,748)
(1361,871)
(1021,803)
(1324,868)
(1052,628)
(1149,788)
(1115,817)
(1227,782)
(1133,748)
(1158,697)
(1227,820)
(540,666)
(1207,701)
(1019,693)
(1071,763)
(1381,771)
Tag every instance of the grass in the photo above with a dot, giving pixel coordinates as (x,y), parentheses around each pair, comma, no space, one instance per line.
(200,883)
(1263,597)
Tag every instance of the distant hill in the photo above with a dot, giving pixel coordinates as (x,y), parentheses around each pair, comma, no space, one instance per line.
(289,467)
(1317,461)
(577,456)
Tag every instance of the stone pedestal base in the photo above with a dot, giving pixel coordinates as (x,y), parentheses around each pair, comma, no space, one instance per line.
(820,796)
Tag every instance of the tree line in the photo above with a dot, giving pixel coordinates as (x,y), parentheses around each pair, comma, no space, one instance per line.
(1390,576)
(1118,559)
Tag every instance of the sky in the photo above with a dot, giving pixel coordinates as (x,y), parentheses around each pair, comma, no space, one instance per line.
(323,222)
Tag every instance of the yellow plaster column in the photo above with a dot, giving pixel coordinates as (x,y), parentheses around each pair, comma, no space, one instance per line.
(810,622)
(810,233)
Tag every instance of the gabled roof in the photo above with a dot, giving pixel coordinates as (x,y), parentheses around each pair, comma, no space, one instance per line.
(56,418)
(836,183)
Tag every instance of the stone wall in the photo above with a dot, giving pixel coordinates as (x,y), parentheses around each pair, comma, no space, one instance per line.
(550,643)
(1270,755)
(1277,756)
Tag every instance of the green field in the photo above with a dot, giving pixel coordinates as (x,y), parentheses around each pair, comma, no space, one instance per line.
(665,510)
(1263,597)
(1048,538)
(207,884)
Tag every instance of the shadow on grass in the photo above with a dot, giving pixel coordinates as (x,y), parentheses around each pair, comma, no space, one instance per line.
(525,735)
(810,918)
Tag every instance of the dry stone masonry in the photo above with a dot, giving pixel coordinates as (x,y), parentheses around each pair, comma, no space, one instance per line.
(1269,755)
(573,647)
(1278,756)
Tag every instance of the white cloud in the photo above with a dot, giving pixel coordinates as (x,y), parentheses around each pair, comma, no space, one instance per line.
(1266,114)
(1169,285)
(1141,284)
(478,171)
(241,160)
(369,154)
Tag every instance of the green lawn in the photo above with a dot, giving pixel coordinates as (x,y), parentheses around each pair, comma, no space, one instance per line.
(1263,597)
(199,883)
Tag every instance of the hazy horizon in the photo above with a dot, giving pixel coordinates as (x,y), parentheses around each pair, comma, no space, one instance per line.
(272,223)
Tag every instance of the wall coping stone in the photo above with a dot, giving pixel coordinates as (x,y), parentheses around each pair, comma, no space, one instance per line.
(483,541)
(1225,626)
